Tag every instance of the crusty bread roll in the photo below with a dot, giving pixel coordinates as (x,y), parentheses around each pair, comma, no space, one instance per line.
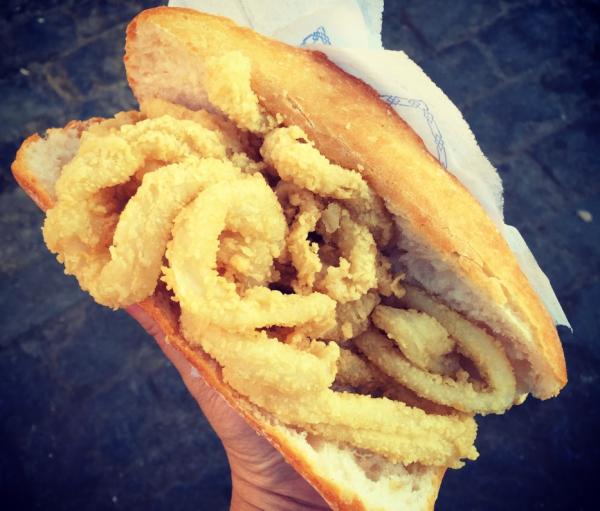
(449,245)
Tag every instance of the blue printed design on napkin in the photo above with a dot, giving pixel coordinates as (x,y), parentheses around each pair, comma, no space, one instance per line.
(318,36)
(435,131)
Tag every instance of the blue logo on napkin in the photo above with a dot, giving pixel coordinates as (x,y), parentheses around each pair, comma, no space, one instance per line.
(435,131)
(318,36)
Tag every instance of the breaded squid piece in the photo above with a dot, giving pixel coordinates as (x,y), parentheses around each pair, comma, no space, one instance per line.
(304,253)
(245,206)
(352,318)
(419,336)
(356,272)
(227,80)
(234,139)
(297,160)
(473,342)
(80,227)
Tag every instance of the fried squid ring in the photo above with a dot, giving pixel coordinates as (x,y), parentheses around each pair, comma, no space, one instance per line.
(420,337)
(245,206)
(356,271)
(472,342)
(304,254)
(80,227)
(353,371)
(296,159)
(352,318)
(144,227)
(411,434)
(227,81)
(235,140)
(297,371)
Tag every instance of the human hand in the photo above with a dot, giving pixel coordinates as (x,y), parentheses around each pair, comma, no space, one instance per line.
(261,478)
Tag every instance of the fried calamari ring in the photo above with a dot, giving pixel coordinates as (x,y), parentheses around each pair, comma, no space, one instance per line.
(388,284)
(428,448)
(227,81)
(353,371)
(472,342)
(144,227)
(361,375)
(352,318)
(293,385)
(80,227)
(304,253)
(420,337)
(296,159)
(297,371)
(356,271)
(412,435)
(235,140)
(245,206)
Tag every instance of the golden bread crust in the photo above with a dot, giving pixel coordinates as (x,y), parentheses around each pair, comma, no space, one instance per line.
(346,119)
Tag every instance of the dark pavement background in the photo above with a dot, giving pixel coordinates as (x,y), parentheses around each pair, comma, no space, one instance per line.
(91,414)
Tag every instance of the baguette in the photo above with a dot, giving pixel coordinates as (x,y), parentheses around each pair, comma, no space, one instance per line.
(448,245)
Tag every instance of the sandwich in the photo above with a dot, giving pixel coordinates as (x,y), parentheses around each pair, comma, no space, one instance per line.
(298,244)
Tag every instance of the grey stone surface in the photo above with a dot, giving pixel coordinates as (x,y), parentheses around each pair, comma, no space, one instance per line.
(534,199)
(571,155)
(39,38)
(96,65)
(91,414)
(567,247)
(21,243)
(441,23)
(507,119)
(457,68)
(530,35)
(32,102)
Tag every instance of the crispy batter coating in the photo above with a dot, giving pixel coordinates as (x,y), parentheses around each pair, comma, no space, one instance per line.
(227,83)
(427,448)
(352,318)
(353,371)
(303,252)
(356,271)
(473,342)
(296,159)
(236,141)
(246,206)
(81,226)
(296,371)
(412,435)
(419,336)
